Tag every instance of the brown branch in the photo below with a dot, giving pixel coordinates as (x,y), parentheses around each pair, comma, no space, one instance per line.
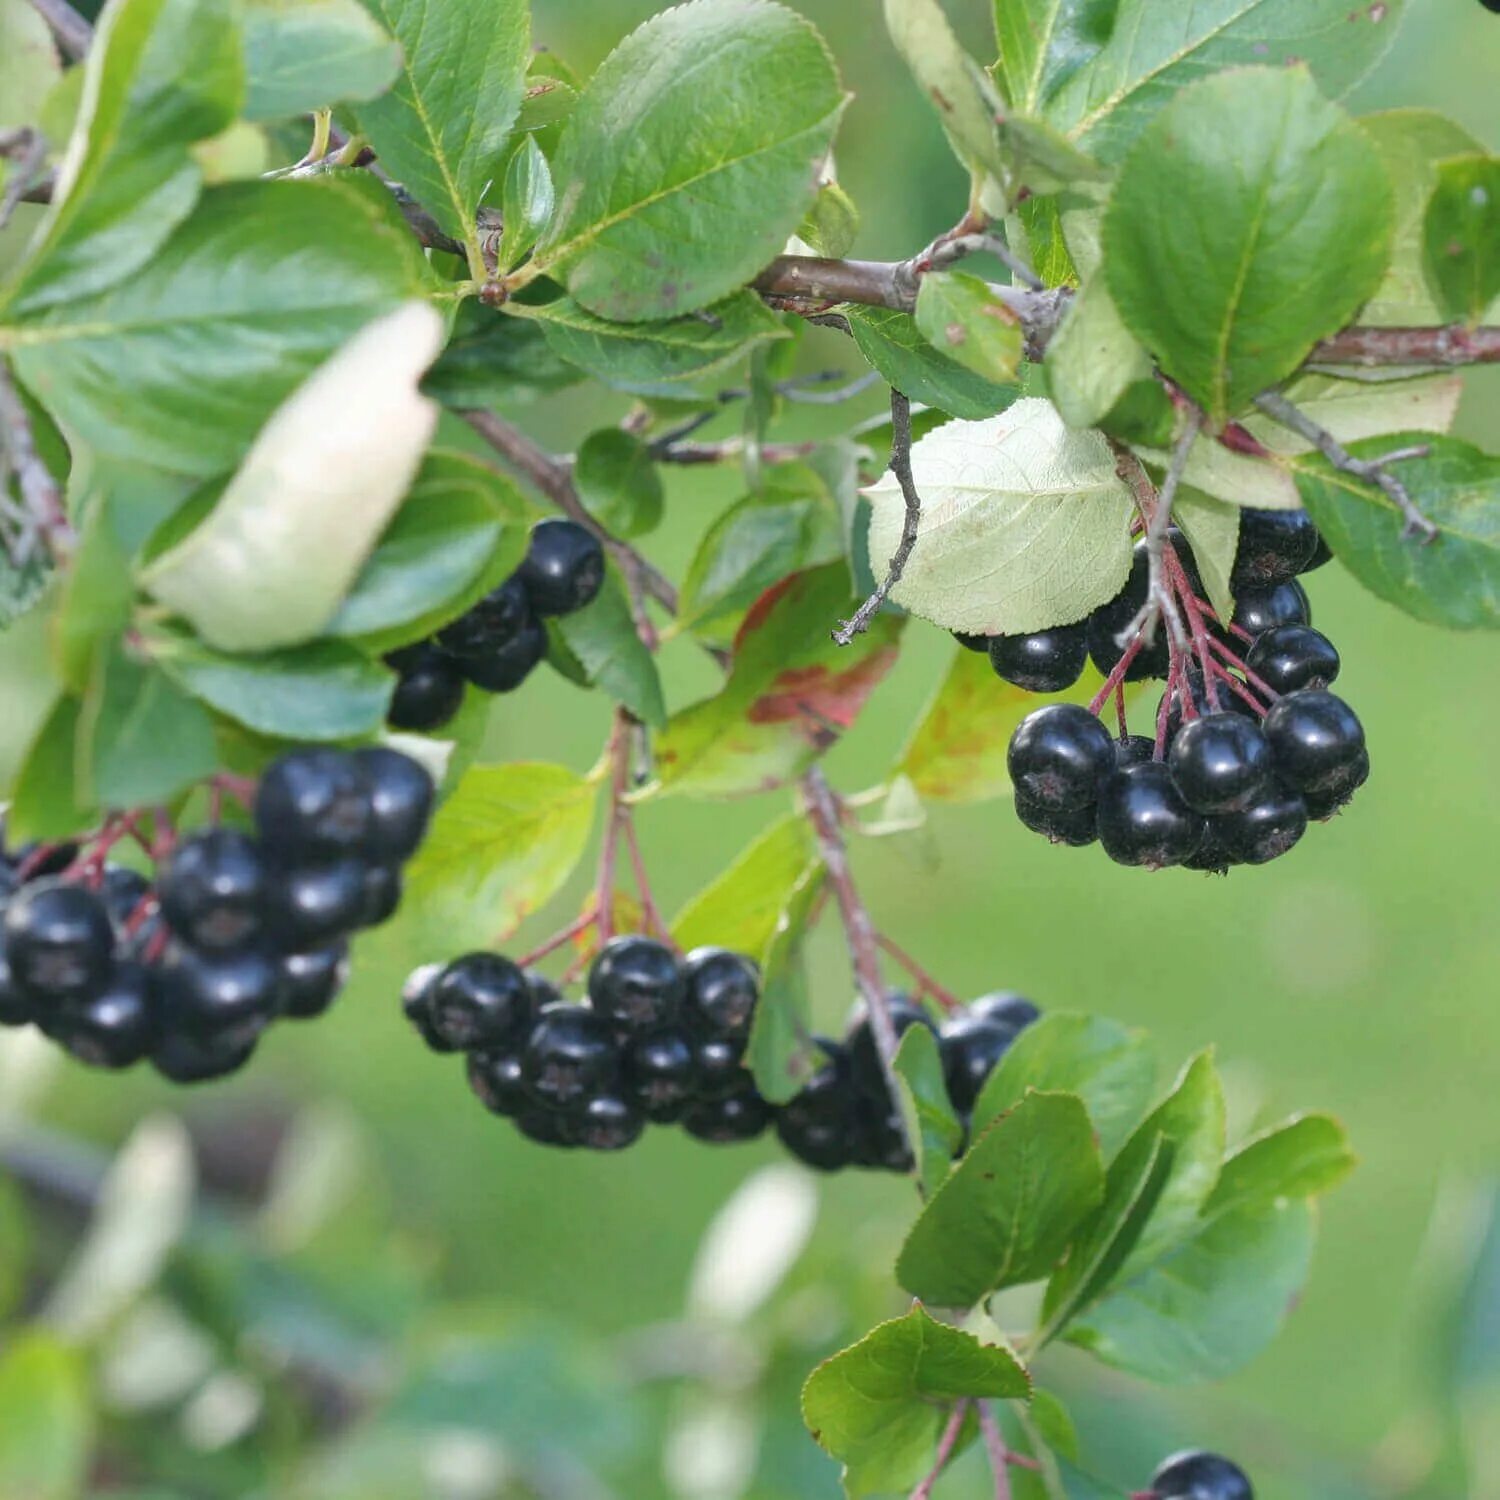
(73,32)
(44,514)
(1452,345)
(27,148)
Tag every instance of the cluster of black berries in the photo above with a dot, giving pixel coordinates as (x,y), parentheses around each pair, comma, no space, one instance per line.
(658,1039)
(1199,1475)
(238,930)
(844,1115)
(1244,756)
(496,644)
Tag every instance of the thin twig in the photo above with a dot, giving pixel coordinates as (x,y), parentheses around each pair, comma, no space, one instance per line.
(729,450)
(73,32)
(1159,602)
(953,248)
(994,1446)
(615,824)
(946,1444)
(27,148)
(41,498)
(924,979)
(900,466)
(1371,470)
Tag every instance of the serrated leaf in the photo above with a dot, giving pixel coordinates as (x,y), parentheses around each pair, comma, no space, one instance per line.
(960,316)
(935,1132)
(160,75)
(618,483)
(879,1405)
(1462,236)
(302,55)
(49,800)
(1025,524)
(675,358)
(1010,1207)
(1093,358)
(1155,50)
(498,850)
(29,65)
(1108,1066)
(1044,42)
(47,1427)
(1452,581)
(322,691)
(442,127)
(896,347)
(602,639)
(271,564)
(655,220)
(259,286)
(1212,528)
(141,739)
(1295,219)
(791,692)
(528,201)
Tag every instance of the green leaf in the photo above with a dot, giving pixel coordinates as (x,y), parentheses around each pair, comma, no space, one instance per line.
(302,55)
(791,692)
(498,850)
(897,348)
(49,801)
(778,1054)
(1452,581)
(1093,358)
(528,201)
(618,483)
(1295,217)
(1024,524)
(160,75)
(496,361)
(1302,1158)
(879,1405)
(274,559)
(141,740)
(460,522)
(1155,50)
(791,524)
(15,1247)
(441,129)
(831,224)
(936,1133)
(1044,42)
(654,220)
(961,317)
(255,290)
(672,359)
(322,691)
(1010,1208)
(1212,528)
(45,1423)
(602,640)
(29,65)
(1108,1066)
(1462,235)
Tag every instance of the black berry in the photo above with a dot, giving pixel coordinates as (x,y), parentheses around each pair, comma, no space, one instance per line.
(416,1004)
(1290,657)
(661,1073)
(503,668)
(311,905)
(1259,610)
(1220,762)
(1109,621)
(1266,829)
(496,1079)
(183,1058)
(429,689)
(1325,803)
(213,889)
(497,618)
(59,941)
(718,1065)
(637,982)
(865,1071)
(879,1139)
(739,1116)
(1058,755)
(1317,740)
(122,892)
(1076,826)
(478,1001)
(1197,1475)
(1143,819)
(971,1047)
(824,1144)
(1046,661)
(313,804)
(400,793)
(1274,545)
(1005,1008)
(1134,750)
(564,567)
(722,989)
(569,1056)
(548,1127)
(116,1027)
(380,894)
(15,1008)
(610,1123)
(221,997)
(310,981)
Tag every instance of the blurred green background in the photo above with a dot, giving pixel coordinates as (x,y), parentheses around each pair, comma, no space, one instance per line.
(1357,975)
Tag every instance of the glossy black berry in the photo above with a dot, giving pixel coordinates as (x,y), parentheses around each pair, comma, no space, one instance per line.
(213,889)
(1105,625)
(569,1056)
(1274,545)
(1323,804)
(122,892)
(222,997)
(827,1146)
(497,618)
(1076,826)
(1259,610)
(116,1027)
(313,805)
(637,982)
(543,991)
(503,668)
(1317,740)
(1046,661)
(183,1058)
(828,1095)
(865,1072)
(1266,829)
(1134,750)
(1005,1008)
(16,1009)
(311,981)
(738,1116)
(381,885)
(1213,856)
(1220,763)
(971,642)
(479,1001)
(429,689)
(496,1080)
(547,1127)
(1058,755)
(1292,657)
(718,1062)
(879,1138)
(970,1049)
(661,1073)
(400,792)
(1197,1475)
(722,990)
(1143,819)
(563,569)
(416,1005)
(59,941)
(1322,554)
(311,905)
(609,1122)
